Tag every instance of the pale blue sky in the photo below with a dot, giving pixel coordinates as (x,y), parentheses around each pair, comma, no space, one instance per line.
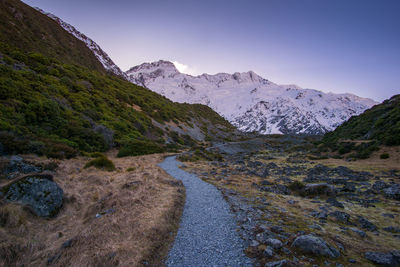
(332,45)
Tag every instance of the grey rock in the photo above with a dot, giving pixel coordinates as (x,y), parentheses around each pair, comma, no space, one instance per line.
(349,187)
(334,202)
(392,192)
(43,195)
(392,229)
(341,216)
(322,215)
(364,223)
(379,186)
(314,245)
(286,251)
(17,166)
(275,243)
(319,189)
(281,263)
(262,237)
(389,259)
(358,231)
(254,243)
(315,226)
(268,252)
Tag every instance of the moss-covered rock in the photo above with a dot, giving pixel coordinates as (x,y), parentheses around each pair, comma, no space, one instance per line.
(40,193)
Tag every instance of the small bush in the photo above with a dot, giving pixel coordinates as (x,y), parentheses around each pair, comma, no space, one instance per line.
(96,155)
(384,156)
(50,166)
(131,169)
(296,186)
(101,163)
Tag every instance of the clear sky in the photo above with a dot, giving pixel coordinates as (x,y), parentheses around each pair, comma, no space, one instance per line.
(330,45)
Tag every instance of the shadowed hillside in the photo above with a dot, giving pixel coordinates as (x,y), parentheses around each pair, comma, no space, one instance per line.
(26,28)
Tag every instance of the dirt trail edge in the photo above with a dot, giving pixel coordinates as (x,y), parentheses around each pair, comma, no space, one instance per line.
(207,235)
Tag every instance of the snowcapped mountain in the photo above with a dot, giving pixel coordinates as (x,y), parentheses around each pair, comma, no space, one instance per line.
(102,56)
(251,102)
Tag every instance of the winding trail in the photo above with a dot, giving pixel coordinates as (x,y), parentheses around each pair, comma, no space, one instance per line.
(207,235)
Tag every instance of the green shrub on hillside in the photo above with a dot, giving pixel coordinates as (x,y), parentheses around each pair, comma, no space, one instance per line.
(384,156)
(58,110)
(380,123)
(101,162)
(139,147)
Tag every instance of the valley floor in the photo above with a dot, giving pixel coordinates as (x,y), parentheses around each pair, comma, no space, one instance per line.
(280,197)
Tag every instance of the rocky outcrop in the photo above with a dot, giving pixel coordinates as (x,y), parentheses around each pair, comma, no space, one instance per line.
(389,259)
(314,245)
(39,192)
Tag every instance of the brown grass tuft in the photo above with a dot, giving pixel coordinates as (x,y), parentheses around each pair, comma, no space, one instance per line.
(108,218)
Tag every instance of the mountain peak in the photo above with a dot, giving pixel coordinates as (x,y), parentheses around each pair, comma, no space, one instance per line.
(251,102)
(166,66)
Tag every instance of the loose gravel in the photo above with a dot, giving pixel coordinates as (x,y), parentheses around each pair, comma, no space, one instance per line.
(207,235)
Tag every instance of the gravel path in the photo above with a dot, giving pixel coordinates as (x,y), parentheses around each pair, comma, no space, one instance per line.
(207,235)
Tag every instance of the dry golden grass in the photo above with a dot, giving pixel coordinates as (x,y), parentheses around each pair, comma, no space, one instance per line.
(373,163)
(295,217)
(147,205)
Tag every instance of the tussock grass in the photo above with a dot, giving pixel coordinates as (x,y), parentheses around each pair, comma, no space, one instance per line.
(101,162)
(145,206)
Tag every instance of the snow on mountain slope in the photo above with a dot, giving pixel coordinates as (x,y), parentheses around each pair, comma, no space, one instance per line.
(251,102)
(102,56)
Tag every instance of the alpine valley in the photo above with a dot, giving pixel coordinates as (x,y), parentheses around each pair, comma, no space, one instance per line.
(252,103)
(246,100)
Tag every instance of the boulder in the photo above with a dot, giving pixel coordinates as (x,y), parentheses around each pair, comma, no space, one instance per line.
(39,192)
(379,186)
(333,201)
(341,216)
(268,252)
(314,245)
(17,165)
(274,243)
(358,231)
(392,229)
(392,192)
(364,223)
(349,187)
(319,189)
(391,259)
(281,263)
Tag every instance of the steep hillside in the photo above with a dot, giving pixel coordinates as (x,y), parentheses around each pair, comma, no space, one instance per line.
(50,106)
(251,102)
(56,109)
(380,123)
(26,28)
(102,56)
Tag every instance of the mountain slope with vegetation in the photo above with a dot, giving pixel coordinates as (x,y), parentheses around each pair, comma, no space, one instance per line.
(57,109)
(26,28)
(59,102)
(380,123)
(361,135)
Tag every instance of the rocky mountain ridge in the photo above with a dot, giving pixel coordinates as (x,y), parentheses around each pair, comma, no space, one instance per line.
(251,102)
(102,56)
